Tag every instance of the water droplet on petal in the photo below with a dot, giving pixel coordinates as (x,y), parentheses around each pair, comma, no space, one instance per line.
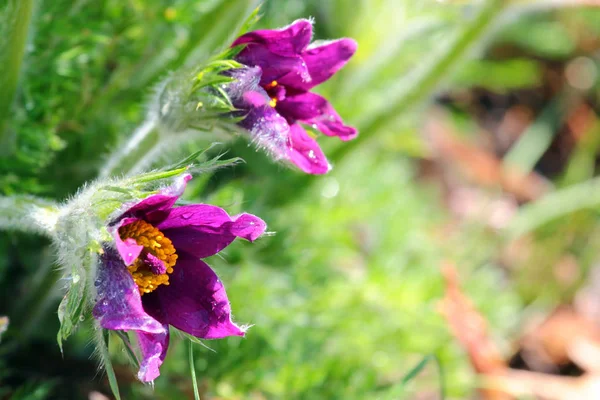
(311,155)
(186,215)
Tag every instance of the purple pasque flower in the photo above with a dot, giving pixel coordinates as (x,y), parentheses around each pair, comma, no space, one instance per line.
(289,67)
(154,277)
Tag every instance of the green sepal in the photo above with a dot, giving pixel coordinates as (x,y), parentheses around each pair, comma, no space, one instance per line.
(74,304)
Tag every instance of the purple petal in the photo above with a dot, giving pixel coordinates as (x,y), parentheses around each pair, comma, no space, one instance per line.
(312,108)
(247,226)
(195,301)
(203,230)
(268,130)
(153,347)
(246,81)
(254,99)
(286,70)
(306,153)
(290,40)
(324,60)
(119,305)
(128,249)
(152,208)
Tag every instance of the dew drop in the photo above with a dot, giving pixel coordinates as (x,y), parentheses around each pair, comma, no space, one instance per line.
(186,215)
(76,278)
(81,318)
(311,155)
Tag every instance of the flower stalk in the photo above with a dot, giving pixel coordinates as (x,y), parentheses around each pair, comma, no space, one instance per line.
(141,142)
(188,106)
(29,214)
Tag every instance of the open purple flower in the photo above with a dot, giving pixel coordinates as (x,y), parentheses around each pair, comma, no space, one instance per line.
(154,277)
(289,67)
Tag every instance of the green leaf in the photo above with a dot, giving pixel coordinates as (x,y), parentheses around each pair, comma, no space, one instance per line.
(110,372)
(156,176)
(73,305)
(252,19)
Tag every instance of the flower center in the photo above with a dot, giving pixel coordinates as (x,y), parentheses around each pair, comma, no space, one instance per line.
(156,260)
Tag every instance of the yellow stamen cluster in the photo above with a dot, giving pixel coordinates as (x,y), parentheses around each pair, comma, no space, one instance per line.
(269,86)
(155,243)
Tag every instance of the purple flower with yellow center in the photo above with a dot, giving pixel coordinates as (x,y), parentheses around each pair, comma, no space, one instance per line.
(154,277)
(288,67)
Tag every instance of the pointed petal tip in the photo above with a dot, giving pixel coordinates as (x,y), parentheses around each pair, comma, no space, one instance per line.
(347,133)
(225,330)
(153,349)
(148,373)
(248,226)
(301,25)
(305,153)
(349,45)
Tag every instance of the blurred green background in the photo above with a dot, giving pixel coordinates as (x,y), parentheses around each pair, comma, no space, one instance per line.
(478,147)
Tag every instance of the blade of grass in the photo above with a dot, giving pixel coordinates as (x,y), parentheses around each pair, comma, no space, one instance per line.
(105,357)
(555,205)
(536,139)
(14,27)
(399,389)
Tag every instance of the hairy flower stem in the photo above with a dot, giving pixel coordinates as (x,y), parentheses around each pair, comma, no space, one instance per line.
(428,77)
(28,214)
(144,138)
(15,17)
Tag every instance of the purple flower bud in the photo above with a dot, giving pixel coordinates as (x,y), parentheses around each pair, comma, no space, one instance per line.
(275,92)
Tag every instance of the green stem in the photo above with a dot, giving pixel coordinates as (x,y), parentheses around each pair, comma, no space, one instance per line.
(28,214)
(14,27)
(193,370)
(422,86)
